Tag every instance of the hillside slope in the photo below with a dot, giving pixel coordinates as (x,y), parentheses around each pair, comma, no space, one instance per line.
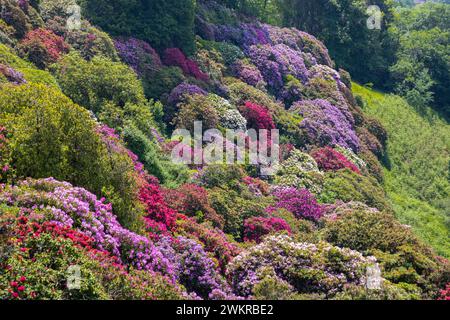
(417,177)
(91,189)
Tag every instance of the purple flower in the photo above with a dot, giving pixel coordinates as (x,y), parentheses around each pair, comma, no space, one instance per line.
(276,63)
(139,55)
(326,125)
(300,202)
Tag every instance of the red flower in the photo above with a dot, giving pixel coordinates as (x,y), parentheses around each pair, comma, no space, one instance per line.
(14,284)
(21,288)
(329,159)
(22,279)
(257,117)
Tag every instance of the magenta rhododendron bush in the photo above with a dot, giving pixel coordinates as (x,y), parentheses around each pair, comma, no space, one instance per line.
(108,119)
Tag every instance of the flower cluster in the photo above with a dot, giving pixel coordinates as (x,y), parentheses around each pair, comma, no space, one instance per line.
(256,228)
(232,119)
(325,124)
(174,57)
(215,241)
(301,42)
(329,159)
(257,116)
(158,212)
(194,268)
(351,156)
(309,268)
(444,294)
(139,55)
(298,201)
(11,75)
(248,73)
(181,91)
(276,63)
(192,200)
(243,35)
(43,47)
(300,170)
(76,208)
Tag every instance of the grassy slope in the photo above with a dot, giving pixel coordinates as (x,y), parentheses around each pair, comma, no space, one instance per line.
(417,170)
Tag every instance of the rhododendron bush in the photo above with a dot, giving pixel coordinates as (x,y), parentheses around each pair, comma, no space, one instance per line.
(257,227)
(329,159)
(43,47)
(306,267)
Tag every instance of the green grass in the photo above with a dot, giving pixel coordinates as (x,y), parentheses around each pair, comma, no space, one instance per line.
(417,166)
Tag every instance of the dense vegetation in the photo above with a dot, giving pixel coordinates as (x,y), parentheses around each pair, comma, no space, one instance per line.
(92,206)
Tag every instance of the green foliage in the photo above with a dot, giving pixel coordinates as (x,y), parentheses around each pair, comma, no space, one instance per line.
(422,67)
(30,73)
(347,185)
(342,26)
(156,164)
(417,176)
(162,23)
(163,82)
(94,83)
(53,137)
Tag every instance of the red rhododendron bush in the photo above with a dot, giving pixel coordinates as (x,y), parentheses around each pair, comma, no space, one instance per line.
(94,107)
(329,159)
(43,47)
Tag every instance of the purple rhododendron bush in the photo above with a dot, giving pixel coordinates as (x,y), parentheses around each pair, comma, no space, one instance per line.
(92,205)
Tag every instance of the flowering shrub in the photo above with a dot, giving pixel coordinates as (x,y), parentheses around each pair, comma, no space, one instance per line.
(40,256)
(351,156)
(243,35)
(300,170)
(300,202)
(192,200)
(196,108)
(179,94)
(308,268)
(174,57)
(79,209)
(157,209)
(300,41)
(347,186)
(215,241)
(232,119)
(276,63)
(257,116)
(325,124)
(139,55)
(256,228)
(87,40)
(211,63)
(195,269)
(42,47)
(404,259)
(329,159)
(444,294)
(248,73)
(11,75)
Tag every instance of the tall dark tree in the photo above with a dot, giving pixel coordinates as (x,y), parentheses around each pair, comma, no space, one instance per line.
(163,23)
(343,26)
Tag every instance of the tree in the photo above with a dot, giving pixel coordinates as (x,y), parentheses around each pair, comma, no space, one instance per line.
(162,23)
(342,25)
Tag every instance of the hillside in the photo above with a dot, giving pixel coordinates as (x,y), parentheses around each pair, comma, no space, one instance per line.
(110,189)
(417,176)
